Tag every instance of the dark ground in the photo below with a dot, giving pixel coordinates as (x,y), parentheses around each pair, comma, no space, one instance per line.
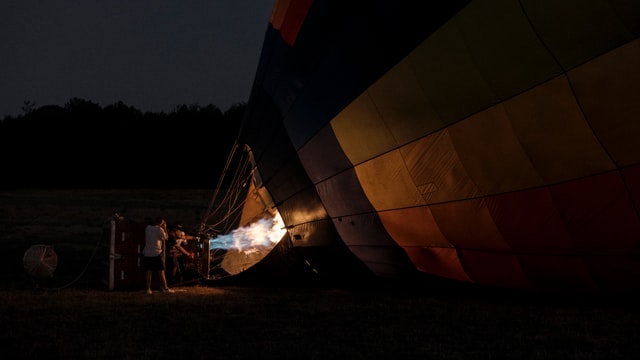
(71,317)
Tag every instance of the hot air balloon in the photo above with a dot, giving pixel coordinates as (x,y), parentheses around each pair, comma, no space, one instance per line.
(485,142)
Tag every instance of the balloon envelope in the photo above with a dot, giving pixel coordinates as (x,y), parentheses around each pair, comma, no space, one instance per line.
(489,142)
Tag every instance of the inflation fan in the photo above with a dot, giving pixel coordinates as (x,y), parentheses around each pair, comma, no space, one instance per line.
(40,261)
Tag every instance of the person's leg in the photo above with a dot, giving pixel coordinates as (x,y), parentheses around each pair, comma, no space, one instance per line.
(174,265)
(163,281)
(148,274)
(177,269)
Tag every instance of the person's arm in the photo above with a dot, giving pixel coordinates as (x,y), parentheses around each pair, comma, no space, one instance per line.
(183,250)
(188,237)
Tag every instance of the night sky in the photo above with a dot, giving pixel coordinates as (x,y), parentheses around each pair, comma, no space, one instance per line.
(150,54)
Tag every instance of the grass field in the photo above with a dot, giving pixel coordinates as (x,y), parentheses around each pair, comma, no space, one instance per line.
(71,317)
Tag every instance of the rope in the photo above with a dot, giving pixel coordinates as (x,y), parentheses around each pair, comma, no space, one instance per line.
(234,147)
(231,200)
(84,270)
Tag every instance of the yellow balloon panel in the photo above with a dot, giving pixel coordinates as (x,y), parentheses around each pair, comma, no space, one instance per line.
(553,133)
(448,76)
(491,153)
(436,170)
(608,89)
(387,183)
(361,120)
(576,31)
(503,47)
(403,105)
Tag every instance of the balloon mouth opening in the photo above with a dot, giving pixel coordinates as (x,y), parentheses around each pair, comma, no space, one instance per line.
(240,249)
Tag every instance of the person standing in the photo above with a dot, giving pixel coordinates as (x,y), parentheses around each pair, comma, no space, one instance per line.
(153,254)
(177,249)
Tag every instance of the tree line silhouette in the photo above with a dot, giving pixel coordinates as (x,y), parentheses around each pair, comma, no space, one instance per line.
(84,145)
